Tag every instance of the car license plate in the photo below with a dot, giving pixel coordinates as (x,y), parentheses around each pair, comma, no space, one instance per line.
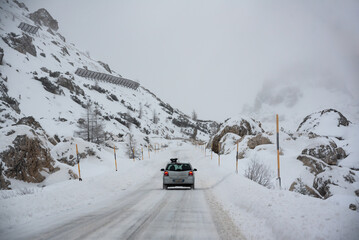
(178,180)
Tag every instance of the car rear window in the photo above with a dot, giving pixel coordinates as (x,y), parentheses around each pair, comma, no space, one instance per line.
(178,167)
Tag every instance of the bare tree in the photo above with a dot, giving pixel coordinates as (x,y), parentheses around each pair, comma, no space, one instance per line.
(155,117)
(90,127)
(140,112)
(194,134)
(131,145)
(194,116)
(98,132)
(83,124)
(259,173)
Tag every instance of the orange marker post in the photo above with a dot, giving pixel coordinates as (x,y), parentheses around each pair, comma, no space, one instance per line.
(133,153)
(114,152)
(278,162)
(78,162)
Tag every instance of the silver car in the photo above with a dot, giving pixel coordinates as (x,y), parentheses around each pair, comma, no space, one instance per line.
(178,174)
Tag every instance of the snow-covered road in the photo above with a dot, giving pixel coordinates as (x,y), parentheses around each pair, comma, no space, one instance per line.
(145,211)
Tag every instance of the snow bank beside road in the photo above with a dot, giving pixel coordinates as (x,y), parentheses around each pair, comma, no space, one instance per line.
(262,213)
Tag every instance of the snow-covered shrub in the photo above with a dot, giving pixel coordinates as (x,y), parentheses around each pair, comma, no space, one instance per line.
(259,172)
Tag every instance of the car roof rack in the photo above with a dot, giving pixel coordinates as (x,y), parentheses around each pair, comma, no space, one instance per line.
(174,160)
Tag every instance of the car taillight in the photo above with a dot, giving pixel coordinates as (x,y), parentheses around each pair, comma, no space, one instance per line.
(166,173)
(190,173)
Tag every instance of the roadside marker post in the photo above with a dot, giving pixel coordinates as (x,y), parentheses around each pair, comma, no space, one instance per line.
(211,150)
(142,152)
(78,162)
(219,154)
(237,160)
(278,162)
(114,152)
(133,154)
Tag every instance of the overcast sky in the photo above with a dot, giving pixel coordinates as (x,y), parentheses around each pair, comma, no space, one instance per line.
(214,56)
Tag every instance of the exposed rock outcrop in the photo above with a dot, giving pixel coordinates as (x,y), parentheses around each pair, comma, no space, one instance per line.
(329,153)
(12,102)
(49,86)
(240,128)
(21,5)
(27,158)
(322,185)
(42,17)
(4,183)
(258,140)
(315,166)
(105,66)
(299,187)
(62,37)
(1,55)
(70,85)
(31,122)
(22,44)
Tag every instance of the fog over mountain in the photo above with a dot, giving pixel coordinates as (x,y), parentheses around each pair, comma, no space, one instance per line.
(207,55)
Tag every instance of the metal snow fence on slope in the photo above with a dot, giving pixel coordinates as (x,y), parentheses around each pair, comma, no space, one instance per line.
(107,78)
(28,28)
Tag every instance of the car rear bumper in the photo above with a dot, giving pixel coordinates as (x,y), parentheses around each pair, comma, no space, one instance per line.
(178,181)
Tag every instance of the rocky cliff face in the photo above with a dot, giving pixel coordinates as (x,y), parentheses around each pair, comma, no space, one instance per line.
(42,17)
(22,44)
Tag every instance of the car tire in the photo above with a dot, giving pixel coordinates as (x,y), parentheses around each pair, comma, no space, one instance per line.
(192,186)
(164,186)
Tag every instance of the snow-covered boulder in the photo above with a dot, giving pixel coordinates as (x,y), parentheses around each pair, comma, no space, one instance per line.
(240,127)
(328,122)
(327,151)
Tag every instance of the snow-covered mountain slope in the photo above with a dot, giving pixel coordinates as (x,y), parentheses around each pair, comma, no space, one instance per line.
(38,79)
